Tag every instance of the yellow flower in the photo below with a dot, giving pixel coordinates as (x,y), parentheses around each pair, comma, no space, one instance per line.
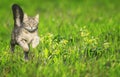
(50,35)
(106,45)
(84,33)
(64,41)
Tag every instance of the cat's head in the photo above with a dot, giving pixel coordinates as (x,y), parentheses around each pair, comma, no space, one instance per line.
(30,23)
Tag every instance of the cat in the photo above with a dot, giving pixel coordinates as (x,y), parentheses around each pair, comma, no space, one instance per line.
(25,31)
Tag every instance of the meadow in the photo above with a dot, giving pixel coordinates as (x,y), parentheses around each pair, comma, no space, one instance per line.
(78,38)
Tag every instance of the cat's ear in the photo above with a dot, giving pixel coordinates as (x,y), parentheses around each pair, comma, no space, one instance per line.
(25,17)
(37,18)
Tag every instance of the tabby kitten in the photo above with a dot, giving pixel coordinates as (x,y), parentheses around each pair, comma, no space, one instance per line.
(25,30)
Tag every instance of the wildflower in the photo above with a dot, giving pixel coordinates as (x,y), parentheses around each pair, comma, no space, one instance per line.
(106,45)
(50,35)
(84,32)
(64,41)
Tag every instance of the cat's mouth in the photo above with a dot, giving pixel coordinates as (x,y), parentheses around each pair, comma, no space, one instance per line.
(30,29)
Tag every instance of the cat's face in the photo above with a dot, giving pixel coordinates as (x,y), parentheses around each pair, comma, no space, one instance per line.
(31,23)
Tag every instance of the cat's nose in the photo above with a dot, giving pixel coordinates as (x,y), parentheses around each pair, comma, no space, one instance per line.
(31,28)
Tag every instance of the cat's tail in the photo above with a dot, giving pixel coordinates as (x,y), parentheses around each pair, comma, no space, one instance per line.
(17,14)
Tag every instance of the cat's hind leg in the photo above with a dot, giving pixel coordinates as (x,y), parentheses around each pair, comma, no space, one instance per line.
(12,46)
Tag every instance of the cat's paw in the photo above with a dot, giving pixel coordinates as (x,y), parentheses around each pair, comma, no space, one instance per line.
(35,42)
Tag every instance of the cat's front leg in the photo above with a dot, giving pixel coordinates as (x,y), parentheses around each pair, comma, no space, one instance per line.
(25,47)
(35,41)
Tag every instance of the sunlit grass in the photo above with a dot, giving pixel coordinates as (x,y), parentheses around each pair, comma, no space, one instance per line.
(77,39)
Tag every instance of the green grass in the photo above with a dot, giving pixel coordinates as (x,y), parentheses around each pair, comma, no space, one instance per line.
(79,38)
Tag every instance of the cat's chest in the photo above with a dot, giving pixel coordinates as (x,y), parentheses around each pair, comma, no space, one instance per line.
(28,36)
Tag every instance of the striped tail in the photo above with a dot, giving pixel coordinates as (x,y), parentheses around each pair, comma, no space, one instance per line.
(17,14)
